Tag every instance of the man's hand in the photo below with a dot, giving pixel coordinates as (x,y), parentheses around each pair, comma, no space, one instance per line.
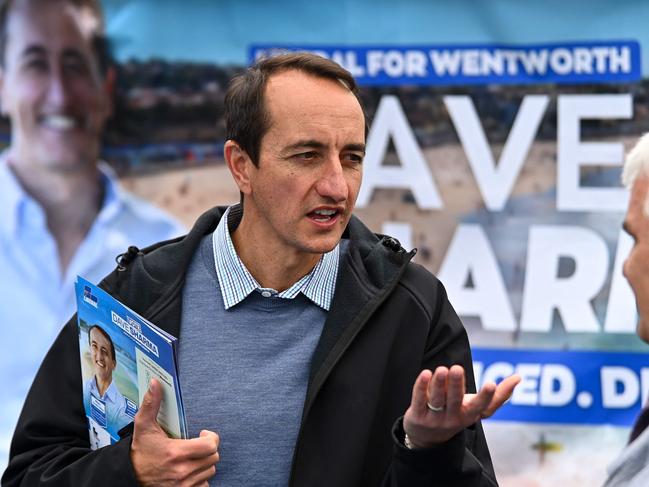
(440,408)
(161,461)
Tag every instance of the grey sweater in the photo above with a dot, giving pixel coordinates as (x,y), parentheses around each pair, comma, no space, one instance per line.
(244,373)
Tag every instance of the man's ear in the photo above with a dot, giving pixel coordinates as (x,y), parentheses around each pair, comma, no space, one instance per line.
(240,165)
(110,79)
(3,111)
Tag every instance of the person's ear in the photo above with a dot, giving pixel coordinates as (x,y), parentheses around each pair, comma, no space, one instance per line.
(3,103)
(109,83)
(240,165)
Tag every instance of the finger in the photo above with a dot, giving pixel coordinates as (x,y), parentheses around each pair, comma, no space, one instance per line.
(211,435)
(197,448)
(455,389)
(477,406)
(437,388)
(148,411)
(418,401)
(203,471)
(502,393)
(200,478)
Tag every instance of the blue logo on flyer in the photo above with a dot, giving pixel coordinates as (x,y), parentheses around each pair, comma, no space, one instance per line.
(130,407)
(88,297)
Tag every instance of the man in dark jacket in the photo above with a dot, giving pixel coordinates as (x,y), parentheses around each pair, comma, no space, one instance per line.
(301,332)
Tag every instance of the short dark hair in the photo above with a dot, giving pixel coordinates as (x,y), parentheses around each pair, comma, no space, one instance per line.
(246,117)
(99,42)
(110,340)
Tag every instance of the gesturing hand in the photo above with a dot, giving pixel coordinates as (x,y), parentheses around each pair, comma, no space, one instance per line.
(162,461)
(440,408)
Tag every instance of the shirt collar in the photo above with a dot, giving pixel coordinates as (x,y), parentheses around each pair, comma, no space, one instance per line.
(111,393)
(13,198)
(237,283)
(113,194)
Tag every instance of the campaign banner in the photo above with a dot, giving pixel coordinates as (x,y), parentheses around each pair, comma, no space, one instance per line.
(568,387)
(497,133)
(476,64)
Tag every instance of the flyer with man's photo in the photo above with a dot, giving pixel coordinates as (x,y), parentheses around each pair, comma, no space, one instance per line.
(120,353)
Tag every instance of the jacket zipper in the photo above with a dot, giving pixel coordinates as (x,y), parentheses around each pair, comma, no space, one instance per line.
(327,371)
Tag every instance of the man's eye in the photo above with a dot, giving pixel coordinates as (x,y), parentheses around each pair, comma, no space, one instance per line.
(76,67)
(307,156)
(35,64)
(355,158)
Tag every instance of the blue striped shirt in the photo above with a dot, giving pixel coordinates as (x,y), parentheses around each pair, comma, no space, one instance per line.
(237,283)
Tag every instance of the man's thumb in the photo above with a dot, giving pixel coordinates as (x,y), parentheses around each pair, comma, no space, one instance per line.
(150,406)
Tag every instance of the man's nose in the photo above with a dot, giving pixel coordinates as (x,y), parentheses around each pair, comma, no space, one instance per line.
(58,93)
(332,183)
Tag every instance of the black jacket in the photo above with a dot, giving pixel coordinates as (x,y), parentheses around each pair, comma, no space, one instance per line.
(388,320)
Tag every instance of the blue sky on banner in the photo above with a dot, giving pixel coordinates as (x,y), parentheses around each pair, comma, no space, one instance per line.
(222,31)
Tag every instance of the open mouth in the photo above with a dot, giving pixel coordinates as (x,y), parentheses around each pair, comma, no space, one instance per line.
(324,215)
(58,122)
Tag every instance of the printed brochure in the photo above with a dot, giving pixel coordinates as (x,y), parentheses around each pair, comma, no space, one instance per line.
(120,352)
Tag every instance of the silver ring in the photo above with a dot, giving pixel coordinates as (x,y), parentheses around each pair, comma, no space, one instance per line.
(433,408)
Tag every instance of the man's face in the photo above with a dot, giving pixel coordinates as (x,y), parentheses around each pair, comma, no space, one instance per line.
(310,164)
(102,360)
(636,266)
(51,88)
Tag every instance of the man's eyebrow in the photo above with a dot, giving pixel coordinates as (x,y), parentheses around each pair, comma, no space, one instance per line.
(315,144)
(33,50)
(355,147)
(310,143)
(74,54)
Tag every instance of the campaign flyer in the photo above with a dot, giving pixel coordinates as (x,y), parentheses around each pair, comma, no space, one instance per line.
(120,353)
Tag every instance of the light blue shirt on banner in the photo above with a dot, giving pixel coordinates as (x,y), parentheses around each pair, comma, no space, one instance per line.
(237,283)
(117,415)
(36,298)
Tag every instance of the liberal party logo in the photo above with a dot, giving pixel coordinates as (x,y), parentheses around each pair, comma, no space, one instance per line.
(88,297)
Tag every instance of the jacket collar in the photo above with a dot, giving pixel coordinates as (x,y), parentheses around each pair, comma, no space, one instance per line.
(370,271)
(151,283)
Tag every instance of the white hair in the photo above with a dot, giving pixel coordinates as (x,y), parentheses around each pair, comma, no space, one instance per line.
(637,161)
(637,164)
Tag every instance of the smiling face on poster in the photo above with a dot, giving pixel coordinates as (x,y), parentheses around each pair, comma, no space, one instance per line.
(107,385)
